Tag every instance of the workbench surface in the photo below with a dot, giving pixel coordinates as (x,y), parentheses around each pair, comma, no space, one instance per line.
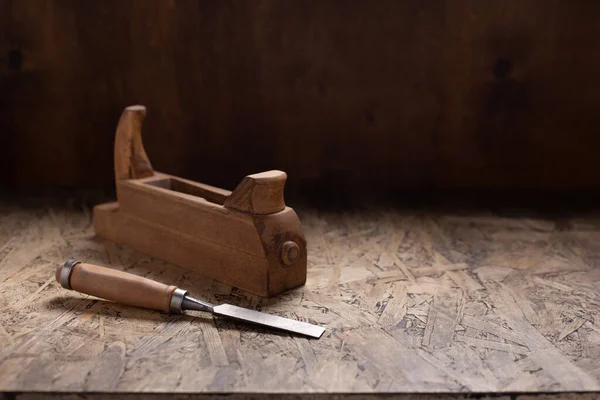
(413,302)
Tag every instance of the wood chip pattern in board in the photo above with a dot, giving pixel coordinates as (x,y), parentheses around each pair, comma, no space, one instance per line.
(412,303)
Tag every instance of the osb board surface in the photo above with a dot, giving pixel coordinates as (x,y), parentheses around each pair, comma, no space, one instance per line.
(446,396)
(413,302)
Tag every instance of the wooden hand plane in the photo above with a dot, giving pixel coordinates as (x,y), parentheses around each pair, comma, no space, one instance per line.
(247,238)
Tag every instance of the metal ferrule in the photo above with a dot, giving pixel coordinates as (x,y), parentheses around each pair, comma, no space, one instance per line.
(177,300)
(190,303)
(65,273)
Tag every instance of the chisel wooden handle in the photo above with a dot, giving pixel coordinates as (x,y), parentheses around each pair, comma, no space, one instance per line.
(119,286)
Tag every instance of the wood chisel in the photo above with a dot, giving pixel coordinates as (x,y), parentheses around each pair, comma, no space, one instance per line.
(126,288)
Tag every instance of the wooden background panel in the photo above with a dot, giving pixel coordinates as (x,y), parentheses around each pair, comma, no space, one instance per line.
(341,95)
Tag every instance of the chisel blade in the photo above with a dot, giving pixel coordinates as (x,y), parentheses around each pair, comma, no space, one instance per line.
(272,321)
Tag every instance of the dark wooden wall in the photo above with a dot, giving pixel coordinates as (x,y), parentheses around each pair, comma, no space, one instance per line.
(346,95)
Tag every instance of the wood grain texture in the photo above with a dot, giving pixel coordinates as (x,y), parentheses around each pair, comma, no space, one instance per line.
(211,259)
(189,214)
(260,193)
(119,286)
(528,321)
(262,253)
(247,238)
(392,95)
(131,160)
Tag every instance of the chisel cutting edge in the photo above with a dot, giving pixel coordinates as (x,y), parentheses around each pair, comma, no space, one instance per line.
(134,290)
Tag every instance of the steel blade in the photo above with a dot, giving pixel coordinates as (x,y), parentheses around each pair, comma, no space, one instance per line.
(273,321)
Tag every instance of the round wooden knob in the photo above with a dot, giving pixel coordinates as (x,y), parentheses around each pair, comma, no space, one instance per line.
(289,252)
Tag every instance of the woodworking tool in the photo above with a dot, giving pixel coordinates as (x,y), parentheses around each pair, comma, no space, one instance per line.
(126,288)
(247,238)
